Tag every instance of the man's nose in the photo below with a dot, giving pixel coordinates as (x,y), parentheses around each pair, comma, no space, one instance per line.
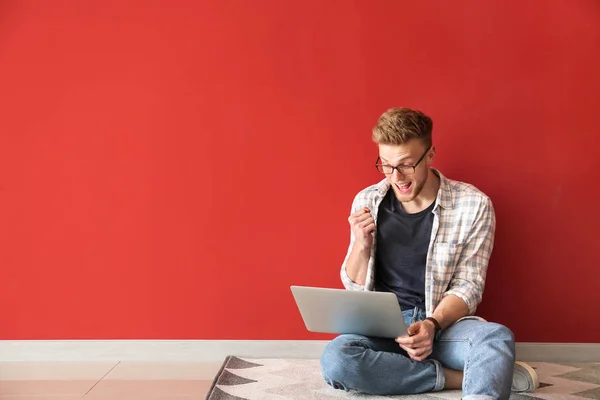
(397,176)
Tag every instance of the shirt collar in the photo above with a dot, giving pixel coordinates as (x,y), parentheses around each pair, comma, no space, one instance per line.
(444,195)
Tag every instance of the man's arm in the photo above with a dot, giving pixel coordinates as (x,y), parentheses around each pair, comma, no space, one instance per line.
(355,266)
(465,289)
(419,343)
(468,281)
(450,310)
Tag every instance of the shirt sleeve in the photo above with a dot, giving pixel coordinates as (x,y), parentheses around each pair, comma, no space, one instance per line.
(468,281)
(346,281)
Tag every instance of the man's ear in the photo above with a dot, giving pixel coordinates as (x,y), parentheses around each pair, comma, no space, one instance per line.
(431,155)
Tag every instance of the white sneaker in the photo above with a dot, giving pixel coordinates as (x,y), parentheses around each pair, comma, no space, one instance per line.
(525,378)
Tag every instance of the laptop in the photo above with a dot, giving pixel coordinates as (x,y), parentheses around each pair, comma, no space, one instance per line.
(339,311)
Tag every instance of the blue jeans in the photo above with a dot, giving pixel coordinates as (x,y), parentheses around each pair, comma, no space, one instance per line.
(484,351)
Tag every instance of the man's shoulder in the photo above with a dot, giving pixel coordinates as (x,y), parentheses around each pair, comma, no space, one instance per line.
(375,188)
(465,194)
(466,189)
(366,196)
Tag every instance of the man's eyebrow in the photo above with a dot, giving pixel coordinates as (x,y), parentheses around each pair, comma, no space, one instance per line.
(399,161)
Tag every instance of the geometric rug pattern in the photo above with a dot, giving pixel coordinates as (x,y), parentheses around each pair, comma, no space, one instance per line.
(280,379)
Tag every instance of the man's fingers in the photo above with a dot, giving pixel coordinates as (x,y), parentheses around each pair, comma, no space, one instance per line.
(364,220)
(414,328)
(366,230)
(414,352)
(366,223)
(405,340)
(420,340)
(369,228)
(408,350)
(422,356)
(362,211)
(418,343)
(417,354)
(415,344)
(359,219)
(412,340)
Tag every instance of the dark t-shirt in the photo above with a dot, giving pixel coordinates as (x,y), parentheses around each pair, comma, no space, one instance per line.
(402,244)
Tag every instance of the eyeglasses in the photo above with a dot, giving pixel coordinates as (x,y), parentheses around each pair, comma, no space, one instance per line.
(402,169)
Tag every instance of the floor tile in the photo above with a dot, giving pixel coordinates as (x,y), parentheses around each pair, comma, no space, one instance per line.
(47,371)
(137,396)
(148,390)
(163,370)
(58,397)
(45,388)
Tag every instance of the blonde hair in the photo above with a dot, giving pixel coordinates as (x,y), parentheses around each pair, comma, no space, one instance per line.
(397,126)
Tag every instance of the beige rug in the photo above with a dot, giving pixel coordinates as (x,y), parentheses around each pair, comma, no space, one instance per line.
(278,379)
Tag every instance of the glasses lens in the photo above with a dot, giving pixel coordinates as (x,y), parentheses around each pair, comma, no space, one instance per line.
(388,170)
(384,169)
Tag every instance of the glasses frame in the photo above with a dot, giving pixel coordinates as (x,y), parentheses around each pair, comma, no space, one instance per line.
(400,167)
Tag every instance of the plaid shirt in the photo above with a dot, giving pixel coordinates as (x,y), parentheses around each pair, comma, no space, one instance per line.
(462,239)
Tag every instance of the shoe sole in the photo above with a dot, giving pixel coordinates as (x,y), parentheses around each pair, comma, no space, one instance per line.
(532,373)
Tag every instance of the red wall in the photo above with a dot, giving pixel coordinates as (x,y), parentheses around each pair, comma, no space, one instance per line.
(169,169)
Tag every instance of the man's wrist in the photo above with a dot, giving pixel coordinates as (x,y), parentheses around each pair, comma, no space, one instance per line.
(433,322)
(363,247)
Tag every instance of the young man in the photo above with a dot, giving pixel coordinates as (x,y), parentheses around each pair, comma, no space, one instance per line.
(427,240)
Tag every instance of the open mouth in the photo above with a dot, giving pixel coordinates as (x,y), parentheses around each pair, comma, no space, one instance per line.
(404,187)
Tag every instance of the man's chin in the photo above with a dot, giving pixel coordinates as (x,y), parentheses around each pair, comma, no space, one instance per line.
(405,199)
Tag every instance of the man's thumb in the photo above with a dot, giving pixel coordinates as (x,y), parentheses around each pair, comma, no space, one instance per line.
(413,329)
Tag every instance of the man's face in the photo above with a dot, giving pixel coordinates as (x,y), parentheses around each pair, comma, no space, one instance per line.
(408,186)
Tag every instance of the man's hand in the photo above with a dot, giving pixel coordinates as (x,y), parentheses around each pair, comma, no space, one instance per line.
(363,226)
(419,343)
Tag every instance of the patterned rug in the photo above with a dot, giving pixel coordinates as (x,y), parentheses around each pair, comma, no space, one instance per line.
(278,379)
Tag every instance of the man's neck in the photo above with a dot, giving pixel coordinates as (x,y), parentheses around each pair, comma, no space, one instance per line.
(426,197)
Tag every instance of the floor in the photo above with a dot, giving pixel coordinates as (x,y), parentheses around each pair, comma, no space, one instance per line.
(187,381)
(107,380)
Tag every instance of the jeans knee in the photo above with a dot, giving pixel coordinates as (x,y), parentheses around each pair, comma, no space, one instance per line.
(501,332)
(497,332)
(337,364)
